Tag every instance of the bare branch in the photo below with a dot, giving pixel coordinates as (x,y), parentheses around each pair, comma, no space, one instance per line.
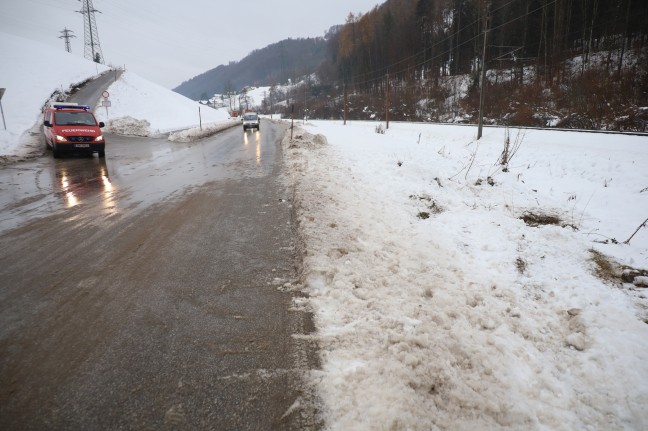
(627,241)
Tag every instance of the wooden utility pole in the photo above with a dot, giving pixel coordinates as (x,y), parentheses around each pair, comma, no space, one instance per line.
(345,104)
(483,78)
(387,102)
(2,92)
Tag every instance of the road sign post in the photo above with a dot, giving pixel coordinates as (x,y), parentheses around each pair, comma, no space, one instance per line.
(2,92)
(106,102)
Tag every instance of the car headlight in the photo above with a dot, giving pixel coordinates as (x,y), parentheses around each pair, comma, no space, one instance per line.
(99,138)
(60,138)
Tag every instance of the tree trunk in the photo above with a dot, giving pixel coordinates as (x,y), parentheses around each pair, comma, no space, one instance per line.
(626,34)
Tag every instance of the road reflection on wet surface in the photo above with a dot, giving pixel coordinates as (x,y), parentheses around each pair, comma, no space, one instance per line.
(88,179)
(253,139)
(136,173)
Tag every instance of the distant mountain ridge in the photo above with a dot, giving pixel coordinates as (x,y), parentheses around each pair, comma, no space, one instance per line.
(276,63)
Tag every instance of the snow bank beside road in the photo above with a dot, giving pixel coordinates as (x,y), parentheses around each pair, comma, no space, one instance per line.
(128,126)
(165,110)
(195,133)
(30,83)
(468,318)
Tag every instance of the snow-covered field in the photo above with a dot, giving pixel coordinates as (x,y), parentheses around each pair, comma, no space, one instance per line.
(438,307)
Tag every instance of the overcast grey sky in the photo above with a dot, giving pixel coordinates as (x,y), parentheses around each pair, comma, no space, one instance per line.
(170,41)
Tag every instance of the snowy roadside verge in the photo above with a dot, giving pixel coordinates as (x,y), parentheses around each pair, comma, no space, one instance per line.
(468,318)
(190,135)
(129,126)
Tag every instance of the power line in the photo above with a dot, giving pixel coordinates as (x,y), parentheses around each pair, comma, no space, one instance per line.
(67,35)
(92,48)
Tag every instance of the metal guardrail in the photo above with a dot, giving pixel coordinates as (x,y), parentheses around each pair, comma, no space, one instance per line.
(609,132)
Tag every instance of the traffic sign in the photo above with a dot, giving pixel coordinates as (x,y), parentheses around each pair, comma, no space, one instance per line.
(106,103)
(105,94)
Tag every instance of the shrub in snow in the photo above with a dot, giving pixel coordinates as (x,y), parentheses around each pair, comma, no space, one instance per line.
(510,148)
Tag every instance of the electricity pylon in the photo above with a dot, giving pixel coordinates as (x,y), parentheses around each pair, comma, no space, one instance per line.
(67,34)
(92,50)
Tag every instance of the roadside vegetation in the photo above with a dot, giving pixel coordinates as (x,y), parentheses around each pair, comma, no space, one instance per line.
(578,64)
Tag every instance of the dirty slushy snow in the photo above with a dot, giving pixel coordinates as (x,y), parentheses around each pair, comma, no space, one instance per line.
(438,307)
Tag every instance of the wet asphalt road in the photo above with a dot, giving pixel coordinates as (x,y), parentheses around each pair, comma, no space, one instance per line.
(144,291)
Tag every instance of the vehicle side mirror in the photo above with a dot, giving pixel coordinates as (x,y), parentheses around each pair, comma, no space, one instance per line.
(47,124)
(102,124)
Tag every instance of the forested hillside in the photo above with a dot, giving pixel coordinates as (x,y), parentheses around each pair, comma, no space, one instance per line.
(573,63)
(273,64)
